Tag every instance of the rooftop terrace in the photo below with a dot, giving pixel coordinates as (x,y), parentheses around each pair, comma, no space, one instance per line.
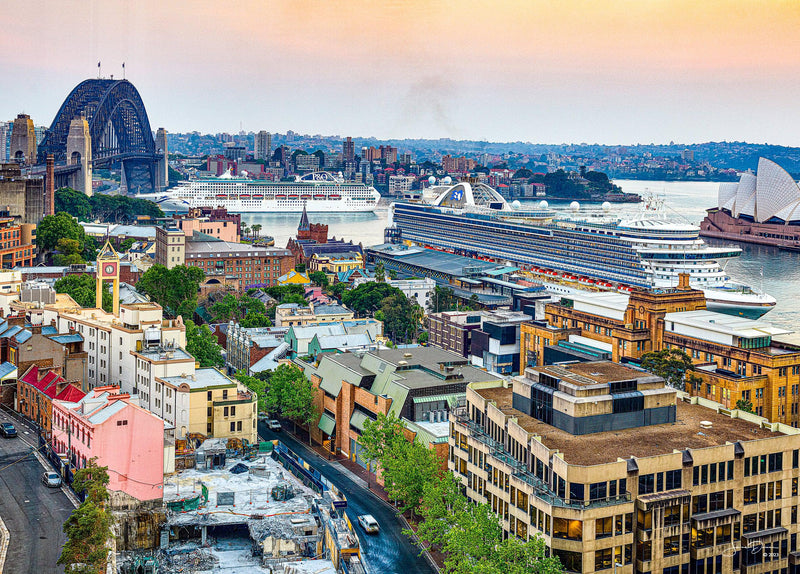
(605,447)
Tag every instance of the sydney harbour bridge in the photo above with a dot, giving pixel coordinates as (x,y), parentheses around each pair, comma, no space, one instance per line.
(103,124)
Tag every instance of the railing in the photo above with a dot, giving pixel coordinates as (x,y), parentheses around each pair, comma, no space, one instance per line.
(541,489)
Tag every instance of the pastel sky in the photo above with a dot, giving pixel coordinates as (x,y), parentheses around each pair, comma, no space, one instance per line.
(545,71)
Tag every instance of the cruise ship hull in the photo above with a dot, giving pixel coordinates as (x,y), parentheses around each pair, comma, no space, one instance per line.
(179,205)
(566,258)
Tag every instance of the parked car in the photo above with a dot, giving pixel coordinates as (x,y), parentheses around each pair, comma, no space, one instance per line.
(368,523)
(274,425)
(8,430)
(51,479)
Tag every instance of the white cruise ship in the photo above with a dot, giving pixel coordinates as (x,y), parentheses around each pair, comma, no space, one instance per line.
(317,192)
(576,250)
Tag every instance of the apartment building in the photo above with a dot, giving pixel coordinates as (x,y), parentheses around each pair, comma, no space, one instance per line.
(418,385)
(109,340)
(293,314)
(170,246)
(619,473)
(109,425)
(736,358)
(250,264)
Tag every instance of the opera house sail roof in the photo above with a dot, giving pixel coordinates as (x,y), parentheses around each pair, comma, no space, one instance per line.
(772,196)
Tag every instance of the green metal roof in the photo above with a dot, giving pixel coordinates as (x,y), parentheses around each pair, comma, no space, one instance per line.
(326,424)
(501,271)
(358,419)
(437,398)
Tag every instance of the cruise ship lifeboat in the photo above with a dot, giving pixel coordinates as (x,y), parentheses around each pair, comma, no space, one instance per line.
(305,196)
(258,196)
(293,196)
(244,196)
(319,196)
(587,281)
(222,196)
(625,289)
(280,196)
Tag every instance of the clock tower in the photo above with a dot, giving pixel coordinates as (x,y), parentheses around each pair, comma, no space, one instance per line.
(108,270)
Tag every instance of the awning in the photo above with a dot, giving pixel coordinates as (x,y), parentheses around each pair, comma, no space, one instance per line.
(501,271)
(358,419)
(438,398)
(327,423)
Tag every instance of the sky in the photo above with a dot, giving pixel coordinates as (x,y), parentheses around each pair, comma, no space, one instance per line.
(555,71)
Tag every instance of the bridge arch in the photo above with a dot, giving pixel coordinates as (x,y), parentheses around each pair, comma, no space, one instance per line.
(119,129)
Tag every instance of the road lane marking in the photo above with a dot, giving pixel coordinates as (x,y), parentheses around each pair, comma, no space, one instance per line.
(4,543)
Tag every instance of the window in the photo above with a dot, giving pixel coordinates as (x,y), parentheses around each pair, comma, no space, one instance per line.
(672,516)
(233,426)
(602,559)
(238,425)
(567,529)
(646,484)
(603,527)
(672,545)
(645,520)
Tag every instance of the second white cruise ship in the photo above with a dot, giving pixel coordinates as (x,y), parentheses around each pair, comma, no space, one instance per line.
(317,192)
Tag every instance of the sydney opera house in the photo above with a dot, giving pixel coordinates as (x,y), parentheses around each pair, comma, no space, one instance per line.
(762,208)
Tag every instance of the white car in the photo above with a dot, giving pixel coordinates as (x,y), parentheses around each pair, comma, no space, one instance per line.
(274,425)
(368,523)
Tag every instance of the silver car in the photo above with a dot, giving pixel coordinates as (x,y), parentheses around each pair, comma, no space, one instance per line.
(51,479)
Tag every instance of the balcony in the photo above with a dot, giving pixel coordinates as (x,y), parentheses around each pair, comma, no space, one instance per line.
(520,471)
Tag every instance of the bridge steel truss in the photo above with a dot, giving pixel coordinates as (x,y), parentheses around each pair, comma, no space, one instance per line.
(119,128)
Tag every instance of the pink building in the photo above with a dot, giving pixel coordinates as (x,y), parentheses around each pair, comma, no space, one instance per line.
(223,230)
(123,436)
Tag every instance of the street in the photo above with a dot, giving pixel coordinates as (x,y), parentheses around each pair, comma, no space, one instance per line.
(33,513)
(390,551)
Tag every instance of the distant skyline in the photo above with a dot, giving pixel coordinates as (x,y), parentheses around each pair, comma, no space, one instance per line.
(569,71)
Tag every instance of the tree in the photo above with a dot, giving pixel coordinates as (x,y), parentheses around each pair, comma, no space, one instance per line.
(423,337)
(88,528)
(174,289)
(126,244)
(407,467)
(443,299)
(56,227)
(319,278)
(379,435)
(256,229)
(368,297)
(745,405)
(231,307)
(398,321)
(291,394)
(338,289)
(380,272)
(74,202)
(83,289)
(442,500)
(300,267)
(669,364)
(252,320)
(202,345)
(256,385)
(69,252)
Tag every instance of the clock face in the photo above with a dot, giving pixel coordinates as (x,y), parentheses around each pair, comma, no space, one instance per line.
(109,269)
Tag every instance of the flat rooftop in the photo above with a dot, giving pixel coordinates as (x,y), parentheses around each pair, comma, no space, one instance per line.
(592,373)
(641,442)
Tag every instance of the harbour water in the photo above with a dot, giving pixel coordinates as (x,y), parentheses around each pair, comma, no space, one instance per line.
(776,272)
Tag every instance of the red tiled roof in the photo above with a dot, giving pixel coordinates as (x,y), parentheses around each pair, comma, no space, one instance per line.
(70,393)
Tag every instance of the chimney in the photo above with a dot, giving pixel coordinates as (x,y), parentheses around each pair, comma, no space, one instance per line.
(683,282)
(50,195)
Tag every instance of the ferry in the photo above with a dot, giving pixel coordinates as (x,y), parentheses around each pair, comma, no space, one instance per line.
(318,192)
(574,250)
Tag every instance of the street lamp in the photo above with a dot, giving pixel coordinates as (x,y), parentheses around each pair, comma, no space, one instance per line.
(615,566)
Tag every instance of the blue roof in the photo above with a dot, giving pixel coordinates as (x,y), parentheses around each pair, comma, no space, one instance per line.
(23,336)
(49,330)
(6,368)
(11,332)
(72,338)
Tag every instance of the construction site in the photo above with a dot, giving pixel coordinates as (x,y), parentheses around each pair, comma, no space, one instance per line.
(262,510)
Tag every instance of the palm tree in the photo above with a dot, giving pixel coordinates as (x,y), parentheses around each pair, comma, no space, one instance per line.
(256,229)
(246,231)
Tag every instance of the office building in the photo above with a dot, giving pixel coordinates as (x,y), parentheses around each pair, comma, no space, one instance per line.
(263,146)
(736,358)
(619,473)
